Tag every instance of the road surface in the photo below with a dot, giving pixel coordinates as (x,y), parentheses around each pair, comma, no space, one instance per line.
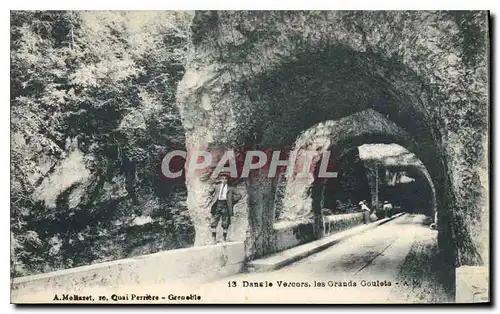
(392,263)
(374,266)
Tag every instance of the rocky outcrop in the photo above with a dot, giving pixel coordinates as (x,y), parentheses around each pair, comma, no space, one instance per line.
(93,113)
(259,79)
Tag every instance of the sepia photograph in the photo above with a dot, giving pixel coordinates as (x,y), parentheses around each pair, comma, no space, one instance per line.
(250,157)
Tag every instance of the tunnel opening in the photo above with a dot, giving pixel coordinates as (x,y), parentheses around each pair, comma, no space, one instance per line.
(342,138)
(297,94)
(291,76)
(332,205)
(378,173)
(361,96)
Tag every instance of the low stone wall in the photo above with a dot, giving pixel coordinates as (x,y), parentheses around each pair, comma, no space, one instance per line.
(203,262)
(337,223)
(289,234)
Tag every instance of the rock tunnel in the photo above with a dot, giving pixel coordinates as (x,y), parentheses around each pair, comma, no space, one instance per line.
(337,80)
(421,192)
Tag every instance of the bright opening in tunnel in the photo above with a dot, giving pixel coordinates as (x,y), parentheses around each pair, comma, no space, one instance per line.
(374,173)
(362,146)
(400,178)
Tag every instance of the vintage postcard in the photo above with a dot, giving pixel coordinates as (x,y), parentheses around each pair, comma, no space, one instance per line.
(246,157)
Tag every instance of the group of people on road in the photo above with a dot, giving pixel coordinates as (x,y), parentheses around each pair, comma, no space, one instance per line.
(387,210)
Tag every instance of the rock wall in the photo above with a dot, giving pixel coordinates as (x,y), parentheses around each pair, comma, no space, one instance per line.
(258,79)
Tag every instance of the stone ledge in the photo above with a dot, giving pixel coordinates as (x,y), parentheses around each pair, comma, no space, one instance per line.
(289,256)
(472,284)
(337,223)
(336,218)
(207,262)
(289,234)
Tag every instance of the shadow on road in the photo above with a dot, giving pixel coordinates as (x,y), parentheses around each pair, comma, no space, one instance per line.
(435,280)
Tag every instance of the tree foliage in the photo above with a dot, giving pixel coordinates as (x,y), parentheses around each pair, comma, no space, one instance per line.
(92,114)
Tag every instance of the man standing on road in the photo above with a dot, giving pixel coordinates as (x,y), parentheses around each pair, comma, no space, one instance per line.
(366,212)
(387,209)
(221,206)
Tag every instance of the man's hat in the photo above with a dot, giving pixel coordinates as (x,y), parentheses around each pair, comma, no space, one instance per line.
(224,174)
(360,203)
(385,202)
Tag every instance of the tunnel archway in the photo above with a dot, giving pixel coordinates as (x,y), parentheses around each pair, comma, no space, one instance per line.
(340,136)
(408,161)
(259,79)
(303,197)
(317,91)
(356,181)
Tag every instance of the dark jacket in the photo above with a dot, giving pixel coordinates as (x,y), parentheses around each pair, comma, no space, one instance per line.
(232,198)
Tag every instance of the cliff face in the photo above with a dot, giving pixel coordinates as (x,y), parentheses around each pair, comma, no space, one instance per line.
(92,114)
(259,79)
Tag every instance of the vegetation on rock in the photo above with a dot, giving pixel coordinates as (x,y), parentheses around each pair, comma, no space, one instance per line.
(92,114)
